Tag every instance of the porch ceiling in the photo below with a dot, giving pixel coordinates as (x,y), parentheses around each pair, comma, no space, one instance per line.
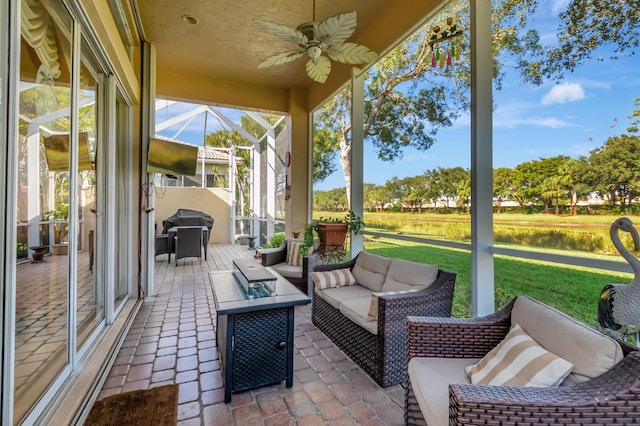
(226,45)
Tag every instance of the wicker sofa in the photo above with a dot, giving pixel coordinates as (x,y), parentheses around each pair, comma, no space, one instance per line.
(378,345)
(603,386)
(296,272)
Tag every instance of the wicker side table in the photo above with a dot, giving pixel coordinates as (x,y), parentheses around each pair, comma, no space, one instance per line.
(254,336)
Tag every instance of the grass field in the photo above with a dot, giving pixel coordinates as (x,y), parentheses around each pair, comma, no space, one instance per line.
(583,234)
(573,290)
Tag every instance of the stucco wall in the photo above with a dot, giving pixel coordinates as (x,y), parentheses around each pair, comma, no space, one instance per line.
(214,201)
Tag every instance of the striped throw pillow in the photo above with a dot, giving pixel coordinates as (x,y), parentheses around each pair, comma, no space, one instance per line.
(293,254)
(373,306)
(519,361)
(335,278)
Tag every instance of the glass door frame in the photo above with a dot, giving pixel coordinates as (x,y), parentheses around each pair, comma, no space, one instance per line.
(109,91)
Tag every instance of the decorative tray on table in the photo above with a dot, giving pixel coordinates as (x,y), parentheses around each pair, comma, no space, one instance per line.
(254,279)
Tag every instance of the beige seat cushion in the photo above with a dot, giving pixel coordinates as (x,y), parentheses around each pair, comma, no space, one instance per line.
(591,352)
(356,310)
(337,295)
(372,313)
(405,275)
(370,270)
(430,379)
(287,270)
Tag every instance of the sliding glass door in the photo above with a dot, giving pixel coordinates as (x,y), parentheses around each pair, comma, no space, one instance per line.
(43,199)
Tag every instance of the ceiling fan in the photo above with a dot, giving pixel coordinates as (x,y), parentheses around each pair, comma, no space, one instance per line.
(314,39)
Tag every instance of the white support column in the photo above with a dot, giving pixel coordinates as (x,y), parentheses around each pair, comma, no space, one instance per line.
(357,153)
(233,176)
(256,185)
(203,168)
(33,186)
(271,181)
(147,129)
(482,275)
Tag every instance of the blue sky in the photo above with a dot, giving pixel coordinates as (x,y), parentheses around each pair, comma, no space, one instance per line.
(569,117)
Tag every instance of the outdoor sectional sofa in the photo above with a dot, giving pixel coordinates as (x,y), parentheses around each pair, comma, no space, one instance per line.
(602,385)
(342,308)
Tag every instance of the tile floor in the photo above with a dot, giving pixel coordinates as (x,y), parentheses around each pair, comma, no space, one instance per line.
(173,341)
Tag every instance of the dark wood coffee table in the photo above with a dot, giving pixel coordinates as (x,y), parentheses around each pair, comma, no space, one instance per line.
(254,336)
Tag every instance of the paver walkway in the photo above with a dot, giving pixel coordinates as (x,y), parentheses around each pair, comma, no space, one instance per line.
(173,341)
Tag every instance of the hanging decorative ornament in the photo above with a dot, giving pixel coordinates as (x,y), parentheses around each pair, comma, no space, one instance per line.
(440,34)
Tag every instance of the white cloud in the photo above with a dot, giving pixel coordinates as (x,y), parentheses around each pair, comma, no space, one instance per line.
(511,122)
(563,93)
(514,113)
(552,122)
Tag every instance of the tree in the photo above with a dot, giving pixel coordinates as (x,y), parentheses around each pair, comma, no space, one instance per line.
(635,117)
(371,196)
(331,200)
(415,191)
(450,181)
(230,138)
(570,174)
(616,168)
(587,25)
(407,101)
(323,165)
(502,186)
(531,177)
(552,190)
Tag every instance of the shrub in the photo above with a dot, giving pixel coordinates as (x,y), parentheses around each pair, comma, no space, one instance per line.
(275,241)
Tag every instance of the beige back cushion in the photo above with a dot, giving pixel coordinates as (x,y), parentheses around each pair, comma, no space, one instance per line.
(405,275)
(591,352)
(370,270)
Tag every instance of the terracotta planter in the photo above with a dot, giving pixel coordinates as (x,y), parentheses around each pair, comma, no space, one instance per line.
(332,234)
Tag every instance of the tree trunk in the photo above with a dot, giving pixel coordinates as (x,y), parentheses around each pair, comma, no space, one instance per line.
(345,161)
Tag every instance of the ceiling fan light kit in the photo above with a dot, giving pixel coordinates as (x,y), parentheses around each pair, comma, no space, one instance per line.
(315,38)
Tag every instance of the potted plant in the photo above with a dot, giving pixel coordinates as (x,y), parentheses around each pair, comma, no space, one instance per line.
(60,216)
(333,231)
(307,240)
(355,222)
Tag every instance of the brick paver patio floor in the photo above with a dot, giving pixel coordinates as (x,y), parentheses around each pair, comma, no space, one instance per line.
(173,341)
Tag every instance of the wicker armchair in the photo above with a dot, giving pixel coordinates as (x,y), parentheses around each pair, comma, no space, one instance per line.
(382,356)
(613,397)
(296,275)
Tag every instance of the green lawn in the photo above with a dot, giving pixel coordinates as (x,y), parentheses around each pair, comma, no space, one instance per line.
(573,290)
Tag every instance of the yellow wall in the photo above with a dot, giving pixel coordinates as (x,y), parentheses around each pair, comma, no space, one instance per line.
(297,205)
(216,202)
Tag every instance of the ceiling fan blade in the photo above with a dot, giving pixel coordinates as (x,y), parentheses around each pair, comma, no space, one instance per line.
(320,69)
(281,58)
(284,32)
(352,53)
(336,29)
